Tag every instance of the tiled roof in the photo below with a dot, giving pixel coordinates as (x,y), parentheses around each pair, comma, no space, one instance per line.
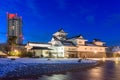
(97,40)
(92,44)
(89,44)
(78,36)
(41,48)
(55,38)
(67,43)
(61,29)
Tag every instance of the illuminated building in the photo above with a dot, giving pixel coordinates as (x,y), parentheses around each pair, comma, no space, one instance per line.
(74,47)
(39,48)
(15,27)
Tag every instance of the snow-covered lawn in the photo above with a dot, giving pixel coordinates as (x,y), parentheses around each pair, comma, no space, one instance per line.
(36,66)
(42,60)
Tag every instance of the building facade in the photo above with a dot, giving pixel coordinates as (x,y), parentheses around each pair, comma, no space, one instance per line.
(61,46)
(39,49)
(15,27)
(77,46)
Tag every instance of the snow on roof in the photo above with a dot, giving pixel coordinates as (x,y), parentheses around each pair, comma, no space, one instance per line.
(78,36)
(38,42)
(41,48)
(67,43)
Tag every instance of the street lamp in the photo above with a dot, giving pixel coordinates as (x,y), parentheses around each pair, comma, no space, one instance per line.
(16,52)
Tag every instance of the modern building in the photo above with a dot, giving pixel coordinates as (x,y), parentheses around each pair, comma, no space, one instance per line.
(15,27)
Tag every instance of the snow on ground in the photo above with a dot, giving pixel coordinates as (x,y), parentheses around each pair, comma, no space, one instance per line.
(10,67)
(43,60)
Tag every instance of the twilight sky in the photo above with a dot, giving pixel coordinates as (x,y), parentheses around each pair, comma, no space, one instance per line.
(41,18)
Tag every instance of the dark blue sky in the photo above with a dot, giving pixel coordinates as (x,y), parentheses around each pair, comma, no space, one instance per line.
(41,18)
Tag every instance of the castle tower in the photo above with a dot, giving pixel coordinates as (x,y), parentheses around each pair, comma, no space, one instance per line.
(60,34)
